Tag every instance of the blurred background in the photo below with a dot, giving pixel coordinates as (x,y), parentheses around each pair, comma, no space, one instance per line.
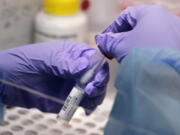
(17,27)
(17,17)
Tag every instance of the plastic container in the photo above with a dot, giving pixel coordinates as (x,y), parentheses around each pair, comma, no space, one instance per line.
(61,20)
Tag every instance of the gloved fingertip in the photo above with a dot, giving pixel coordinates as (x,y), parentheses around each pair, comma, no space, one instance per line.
(89,89)
(97,87)
(93,91)
(105,43)
(79,66)
(83,65)
(109,29)
(99,39)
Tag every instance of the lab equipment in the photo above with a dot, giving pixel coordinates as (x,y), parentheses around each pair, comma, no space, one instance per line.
(148,98)
(140,26)
(77,94)
(61,20)
(50,68)
(20,121)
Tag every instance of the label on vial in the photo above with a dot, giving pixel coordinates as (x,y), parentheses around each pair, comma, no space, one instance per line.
(44,37)
(71,104)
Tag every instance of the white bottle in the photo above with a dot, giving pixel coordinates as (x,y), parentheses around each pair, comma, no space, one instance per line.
(61,20)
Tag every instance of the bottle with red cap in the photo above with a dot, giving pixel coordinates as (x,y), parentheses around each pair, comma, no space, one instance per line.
(61,20)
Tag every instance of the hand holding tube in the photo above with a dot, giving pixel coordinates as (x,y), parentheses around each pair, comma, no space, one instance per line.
(77,94)
(52,69)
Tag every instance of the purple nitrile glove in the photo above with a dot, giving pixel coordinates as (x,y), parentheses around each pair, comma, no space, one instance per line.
(50,68)
(140,26)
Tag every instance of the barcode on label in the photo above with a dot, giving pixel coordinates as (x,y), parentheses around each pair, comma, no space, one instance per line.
(66,104)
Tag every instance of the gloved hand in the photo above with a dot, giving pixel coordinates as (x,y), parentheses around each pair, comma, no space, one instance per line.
(140,26)
(52,69)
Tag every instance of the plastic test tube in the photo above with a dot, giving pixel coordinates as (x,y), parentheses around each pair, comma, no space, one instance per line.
(76,95)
